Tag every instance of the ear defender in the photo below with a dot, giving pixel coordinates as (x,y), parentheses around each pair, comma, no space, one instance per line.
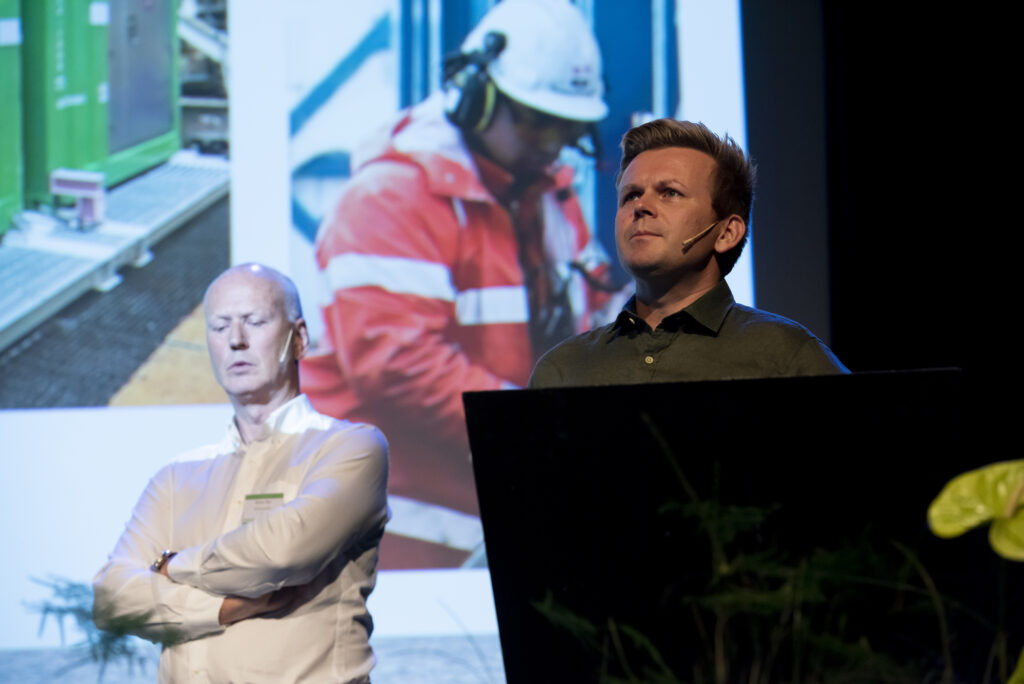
(473,107)
(489,98)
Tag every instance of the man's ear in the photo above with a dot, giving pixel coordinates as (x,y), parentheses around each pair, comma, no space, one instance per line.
(731,234)
(301,341)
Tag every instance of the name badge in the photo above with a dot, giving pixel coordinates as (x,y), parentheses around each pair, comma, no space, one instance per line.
(258,503)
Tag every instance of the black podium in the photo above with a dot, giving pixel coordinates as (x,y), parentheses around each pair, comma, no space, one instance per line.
(755,530)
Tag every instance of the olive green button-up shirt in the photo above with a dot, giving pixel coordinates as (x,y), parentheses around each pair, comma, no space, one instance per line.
(712,339)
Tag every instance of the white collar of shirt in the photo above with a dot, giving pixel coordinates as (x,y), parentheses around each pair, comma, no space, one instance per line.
(293,417)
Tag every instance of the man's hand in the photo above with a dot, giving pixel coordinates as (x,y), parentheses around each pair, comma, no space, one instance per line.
(237,608)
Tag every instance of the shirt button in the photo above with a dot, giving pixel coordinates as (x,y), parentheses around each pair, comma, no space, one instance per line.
(648,360)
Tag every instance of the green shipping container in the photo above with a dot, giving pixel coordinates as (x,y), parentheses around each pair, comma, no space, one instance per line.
(10,113)
(100,88)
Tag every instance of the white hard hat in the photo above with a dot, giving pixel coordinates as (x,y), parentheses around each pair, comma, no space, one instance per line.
(551,61)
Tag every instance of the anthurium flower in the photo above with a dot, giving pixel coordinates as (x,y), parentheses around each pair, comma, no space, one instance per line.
(994,492)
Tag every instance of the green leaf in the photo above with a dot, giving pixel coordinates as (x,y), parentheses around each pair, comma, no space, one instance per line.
(1018,672)
(1007,536)
(975,497)
(565,618)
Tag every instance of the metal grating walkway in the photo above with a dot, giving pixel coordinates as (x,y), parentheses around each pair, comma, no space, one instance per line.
(46,266)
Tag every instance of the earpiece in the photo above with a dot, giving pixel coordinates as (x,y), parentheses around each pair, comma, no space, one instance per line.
(287,347)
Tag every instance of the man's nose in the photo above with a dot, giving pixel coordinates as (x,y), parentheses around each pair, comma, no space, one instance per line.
(237,337)
(641,207)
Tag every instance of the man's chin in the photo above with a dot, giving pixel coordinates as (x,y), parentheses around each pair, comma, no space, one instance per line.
(247,393)
(641,268)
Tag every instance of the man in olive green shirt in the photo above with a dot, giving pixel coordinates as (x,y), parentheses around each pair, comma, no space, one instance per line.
(684,198)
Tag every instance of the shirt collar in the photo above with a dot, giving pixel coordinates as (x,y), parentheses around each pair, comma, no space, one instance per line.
(290,418)
(708,312)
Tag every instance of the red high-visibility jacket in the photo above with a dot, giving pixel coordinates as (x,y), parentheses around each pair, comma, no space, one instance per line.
(428,299)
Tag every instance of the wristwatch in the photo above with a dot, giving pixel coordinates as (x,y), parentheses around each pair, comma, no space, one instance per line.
(160,562)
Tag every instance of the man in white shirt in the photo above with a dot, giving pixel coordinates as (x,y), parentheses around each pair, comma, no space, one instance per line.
(265,543)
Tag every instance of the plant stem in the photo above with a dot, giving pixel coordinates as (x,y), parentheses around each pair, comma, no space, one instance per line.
(940,612)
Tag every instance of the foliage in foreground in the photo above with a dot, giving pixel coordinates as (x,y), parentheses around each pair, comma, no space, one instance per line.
(111,645)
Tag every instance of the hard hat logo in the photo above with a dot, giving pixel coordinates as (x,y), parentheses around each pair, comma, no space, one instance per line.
(582,79)
(550,61)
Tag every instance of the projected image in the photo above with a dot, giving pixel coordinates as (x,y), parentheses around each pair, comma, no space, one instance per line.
(449,178)
(456,253)
(111,154)
(454,243)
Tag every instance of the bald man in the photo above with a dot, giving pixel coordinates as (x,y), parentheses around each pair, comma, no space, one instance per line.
(251,559)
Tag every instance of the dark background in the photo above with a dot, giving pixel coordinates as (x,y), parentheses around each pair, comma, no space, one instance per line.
(884,139)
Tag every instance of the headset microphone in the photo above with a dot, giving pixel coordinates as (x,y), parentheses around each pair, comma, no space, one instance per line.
(287,347)
(690,240)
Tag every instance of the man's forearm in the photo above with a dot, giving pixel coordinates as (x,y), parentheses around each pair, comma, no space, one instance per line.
(237,608)
(233,608)
(129,596)
(342,499)
(126,589)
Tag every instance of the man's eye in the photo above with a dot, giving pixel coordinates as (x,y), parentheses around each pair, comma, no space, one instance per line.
(671,192)
(629,196)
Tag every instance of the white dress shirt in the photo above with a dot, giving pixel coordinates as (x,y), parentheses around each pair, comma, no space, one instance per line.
(325,527)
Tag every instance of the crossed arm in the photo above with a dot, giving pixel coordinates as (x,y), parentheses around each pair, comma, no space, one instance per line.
(257,568)
(237,608)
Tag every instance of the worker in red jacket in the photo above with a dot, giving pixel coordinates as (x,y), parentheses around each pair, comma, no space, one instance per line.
(458,254)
